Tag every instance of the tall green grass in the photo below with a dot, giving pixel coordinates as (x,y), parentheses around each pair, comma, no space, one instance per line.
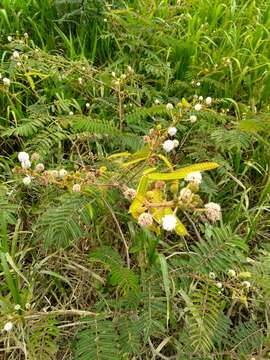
(222,44)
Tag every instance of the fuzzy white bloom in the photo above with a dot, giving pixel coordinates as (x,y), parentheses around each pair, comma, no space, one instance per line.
(246,284)
(71,113)
(201,98)
(130,69)
(113,74)
(231,273)
(76,188)
(40,167)
(198,107)
(169,106)
(26,164)
(23,156)
(185,194)
(62,173)
(6,81)
(145,219)
(87,105)
(193,118)
(54,173)
(195,177)
(35,156)
(80,80)
(26,35)
(123,76)
(8,326)
(198,83)
(172,131)
(169,222)
(212,275)
(130,193)
(219,285)
(168,145)
(157,101)
(19,63)
(17,307)
(16,55)
(27,180)
(9,38)
(213,211)
(208,100)
(195,96)
(175,143)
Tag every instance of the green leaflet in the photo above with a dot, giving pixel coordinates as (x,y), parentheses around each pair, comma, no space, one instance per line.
(166,282)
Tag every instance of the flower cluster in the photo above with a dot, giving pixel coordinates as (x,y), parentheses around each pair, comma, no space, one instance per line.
(169,144)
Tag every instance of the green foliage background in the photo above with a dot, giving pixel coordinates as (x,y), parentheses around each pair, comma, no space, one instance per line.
(62,254)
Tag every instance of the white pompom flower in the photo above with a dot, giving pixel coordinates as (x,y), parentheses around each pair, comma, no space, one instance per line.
(212,275)
(71,113)
(168,145)
(193,119)
(185,194)
(6,81)
(219,285)
(9,38)
(23,156)
(246,284)
(145,219)
(27,180)
(35,156)
(213,211)
(172,131)
(87,105)
(169,107)
(16,55)
(169,222)
(194,177)
(26,164)
(176,143)
(76,188)
(62,173)
(130,193)
(208,100)
(231,273)
(8,326)
(40,167)
(198,107)
(157,101)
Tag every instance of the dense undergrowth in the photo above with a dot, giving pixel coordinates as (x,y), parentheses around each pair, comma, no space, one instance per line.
(126,129)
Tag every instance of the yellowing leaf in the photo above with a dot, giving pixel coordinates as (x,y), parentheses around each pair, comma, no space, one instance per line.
(121,154)
(182,173)
(30,80)
(135,161)
(136,207)
(166,161)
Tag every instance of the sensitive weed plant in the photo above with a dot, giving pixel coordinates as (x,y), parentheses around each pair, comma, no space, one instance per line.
(134,220)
